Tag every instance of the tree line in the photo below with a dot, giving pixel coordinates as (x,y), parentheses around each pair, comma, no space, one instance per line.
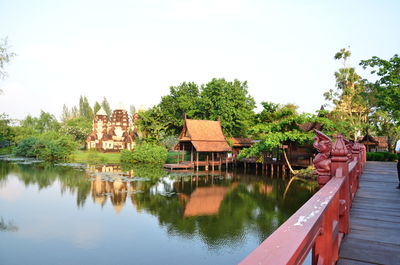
(357,106)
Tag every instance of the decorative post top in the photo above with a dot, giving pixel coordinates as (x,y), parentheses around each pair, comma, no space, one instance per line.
(350,145)
(322,143)
(322,161)
(339,151)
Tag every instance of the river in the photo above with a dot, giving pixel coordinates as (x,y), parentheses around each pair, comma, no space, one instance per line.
(112,214)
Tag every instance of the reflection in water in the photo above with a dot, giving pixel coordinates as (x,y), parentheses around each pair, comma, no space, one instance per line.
(205,201)
(7,226)
(225,210)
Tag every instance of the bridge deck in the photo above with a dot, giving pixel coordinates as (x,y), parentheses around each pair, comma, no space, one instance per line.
(374,218)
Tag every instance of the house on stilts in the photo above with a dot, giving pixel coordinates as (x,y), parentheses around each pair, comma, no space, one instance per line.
(206,143)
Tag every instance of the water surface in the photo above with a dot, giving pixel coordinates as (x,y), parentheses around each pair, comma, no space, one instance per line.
(143,215)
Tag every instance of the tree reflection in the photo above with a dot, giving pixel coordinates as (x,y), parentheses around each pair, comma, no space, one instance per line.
(222,209)
(7,226)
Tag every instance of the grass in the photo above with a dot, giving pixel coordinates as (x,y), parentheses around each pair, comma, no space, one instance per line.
(95,157)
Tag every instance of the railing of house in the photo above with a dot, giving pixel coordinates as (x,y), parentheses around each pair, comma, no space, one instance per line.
(320,224)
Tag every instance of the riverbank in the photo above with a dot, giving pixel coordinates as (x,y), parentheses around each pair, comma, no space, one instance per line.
(94,157)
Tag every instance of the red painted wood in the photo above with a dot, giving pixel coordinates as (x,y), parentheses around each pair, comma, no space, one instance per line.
(320,224)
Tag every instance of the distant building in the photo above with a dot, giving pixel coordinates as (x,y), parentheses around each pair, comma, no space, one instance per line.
(111,135)
(375,143)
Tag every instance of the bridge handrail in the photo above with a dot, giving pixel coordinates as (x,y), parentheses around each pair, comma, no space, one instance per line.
(320,224)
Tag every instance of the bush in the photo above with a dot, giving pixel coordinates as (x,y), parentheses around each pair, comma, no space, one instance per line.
(48,147)
(26,147)
(145,153)
(381,156)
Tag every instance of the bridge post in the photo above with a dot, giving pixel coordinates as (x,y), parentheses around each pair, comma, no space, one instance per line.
(340,159)
(357,155)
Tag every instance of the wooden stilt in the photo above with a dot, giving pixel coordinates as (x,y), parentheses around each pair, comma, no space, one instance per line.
(220,161)
(183,153)
(197,161)
(212,161)
(207,164)
(191,155)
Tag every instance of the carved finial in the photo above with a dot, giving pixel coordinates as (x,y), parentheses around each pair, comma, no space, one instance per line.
(349,145)
(339,150)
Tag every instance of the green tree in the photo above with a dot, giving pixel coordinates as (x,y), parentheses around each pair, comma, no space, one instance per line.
(383,124)
(84,108)
(387,86)
(151,125)
(182,99)
(66,114)
(96,107)
(44,123)
(78,128)
(350,96)
(6,132)
(106,106)
(280,124)
(230,103)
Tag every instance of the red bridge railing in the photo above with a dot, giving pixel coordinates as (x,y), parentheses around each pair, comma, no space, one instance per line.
(320,224)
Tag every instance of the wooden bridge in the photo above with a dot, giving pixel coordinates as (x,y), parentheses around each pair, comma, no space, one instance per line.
(325,230)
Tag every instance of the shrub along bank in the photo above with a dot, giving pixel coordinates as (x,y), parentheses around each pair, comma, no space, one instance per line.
(145,153)
(47,147)
(381,156)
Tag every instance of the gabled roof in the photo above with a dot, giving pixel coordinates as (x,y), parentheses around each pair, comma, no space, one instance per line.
(205,135)
(242,142)
(380,141)
(205,201)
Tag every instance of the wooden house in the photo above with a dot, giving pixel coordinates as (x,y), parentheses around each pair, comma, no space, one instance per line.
(205,142)
(375,143)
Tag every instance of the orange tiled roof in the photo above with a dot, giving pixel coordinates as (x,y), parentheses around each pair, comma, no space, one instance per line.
(205,201)
(242,141)
(380,141)
(205,135)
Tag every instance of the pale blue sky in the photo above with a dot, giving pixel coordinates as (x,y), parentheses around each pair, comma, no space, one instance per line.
(132,51)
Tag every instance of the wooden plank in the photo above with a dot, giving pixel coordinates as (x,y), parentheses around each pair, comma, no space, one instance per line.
(374,236)
(352,262)
(370,252)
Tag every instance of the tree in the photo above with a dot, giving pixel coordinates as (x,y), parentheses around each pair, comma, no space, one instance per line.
(182,100)
(46,122)
(350,96)
(6,132)
(66,114)
(5,57)
(219,99)
(84,108)
(230,103)
(96,107)
(151,125)
(106,106)
(74,112)
(280,124)
(78,128)
(387,86)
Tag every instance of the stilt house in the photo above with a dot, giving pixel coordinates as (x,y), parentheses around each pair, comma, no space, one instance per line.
(205,142)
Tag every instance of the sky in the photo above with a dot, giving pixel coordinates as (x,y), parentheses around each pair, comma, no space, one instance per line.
(133,51)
